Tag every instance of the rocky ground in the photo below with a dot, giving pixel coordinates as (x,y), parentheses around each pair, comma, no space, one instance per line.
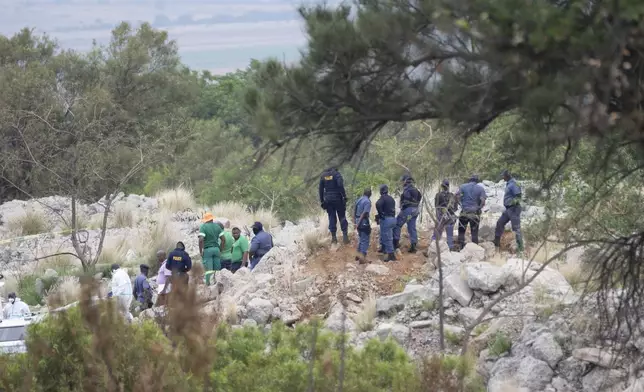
(541,338)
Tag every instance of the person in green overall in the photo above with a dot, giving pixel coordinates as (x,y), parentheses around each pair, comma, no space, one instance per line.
(210,235)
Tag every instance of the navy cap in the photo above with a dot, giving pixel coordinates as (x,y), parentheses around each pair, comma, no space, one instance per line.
(384,189)
(505,173)
(475,178)
(258,225)
(445,182)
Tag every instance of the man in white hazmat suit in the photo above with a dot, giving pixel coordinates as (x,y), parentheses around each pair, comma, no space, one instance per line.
(15,308)
(121,291)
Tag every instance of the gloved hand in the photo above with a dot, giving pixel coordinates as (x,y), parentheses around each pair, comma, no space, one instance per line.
(323,205)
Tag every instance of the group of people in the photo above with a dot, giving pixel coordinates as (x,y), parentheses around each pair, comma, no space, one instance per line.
(470,198)
(333,199)
(219,248)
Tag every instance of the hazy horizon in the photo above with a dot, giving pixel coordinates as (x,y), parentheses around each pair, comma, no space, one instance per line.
(219,35)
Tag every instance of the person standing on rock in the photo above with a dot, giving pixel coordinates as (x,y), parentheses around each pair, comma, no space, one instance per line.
(179,263)
(386,207)
(142,289)
(211,241)
(240,250)
(227,250)
(472,197)
(333,199)
(163,278)
(363,226)
(446,206)
(121,290)
(512,213)
(409,203)
(261,243)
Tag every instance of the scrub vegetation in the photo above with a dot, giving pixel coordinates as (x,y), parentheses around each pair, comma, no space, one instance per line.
(90,348)
(549,90)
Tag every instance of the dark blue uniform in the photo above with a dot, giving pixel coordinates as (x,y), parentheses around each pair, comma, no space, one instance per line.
(179,262)
(386,207)
(334,199)
(409,203)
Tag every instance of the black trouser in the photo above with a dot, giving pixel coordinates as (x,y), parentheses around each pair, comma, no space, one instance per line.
(227,264)
(473,219)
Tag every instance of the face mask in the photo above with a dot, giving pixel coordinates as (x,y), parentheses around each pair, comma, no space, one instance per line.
(12,300)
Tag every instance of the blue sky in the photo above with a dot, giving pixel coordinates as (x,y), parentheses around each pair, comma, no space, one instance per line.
(217,35)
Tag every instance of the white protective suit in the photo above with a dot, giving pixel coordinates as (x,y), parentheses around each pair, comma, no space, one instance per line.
(18,309)
(121,287)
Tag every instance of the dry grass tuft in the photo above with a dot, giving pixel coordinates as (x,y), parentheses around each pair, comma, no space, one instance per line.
(65,291)
(114,250)
(177,199)
(314,241)
(162,235)
(125,215)
(365,319)
(31,222)
(240,214)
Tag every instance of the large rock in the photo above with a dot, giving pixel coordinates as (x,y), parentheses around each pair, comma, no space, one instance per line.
(485,277)
(472,253)
(457,289)
(604,380)
(546,348)
(549,281)
(400,333)
(260,310)
(50,274)
(468,315)
(534,374)
(599,357)
(339,321)
(637,386)
(412,294)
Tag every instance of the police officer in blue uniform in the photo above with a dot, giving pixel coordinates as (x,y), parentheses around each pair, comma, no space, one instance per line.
(512,213)
(333,198)
(386,218)
(472,197)
(409,203)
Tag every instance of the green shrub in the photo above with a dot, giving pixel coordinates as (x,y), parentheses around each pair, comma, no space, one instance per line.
(500,344)
(90,348)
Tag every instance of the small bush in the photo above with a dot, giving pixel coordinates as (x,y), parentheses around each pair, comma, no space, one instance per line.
(27,289)
(452,337)
(451,373)
(177,199)
(365,319)
(30,223)
(479,329)
(499,345)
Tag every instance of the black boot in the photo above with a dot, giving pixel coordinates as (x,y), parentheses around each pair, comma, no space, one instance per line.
(381,249)
(396,244)
(391,257)
(497,242)
(412,248)
(345,237)
(334,238)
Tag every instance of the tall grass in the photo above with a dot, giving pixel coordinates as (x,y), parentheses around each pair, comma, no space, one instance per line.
(65,291)
(240,214)
(125,215)
(365,319)
(176,199)
(30,222)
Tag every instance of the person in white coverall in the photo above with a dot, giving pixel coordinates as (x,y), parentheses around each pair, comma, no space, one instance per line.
(15,308)
(121,290)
